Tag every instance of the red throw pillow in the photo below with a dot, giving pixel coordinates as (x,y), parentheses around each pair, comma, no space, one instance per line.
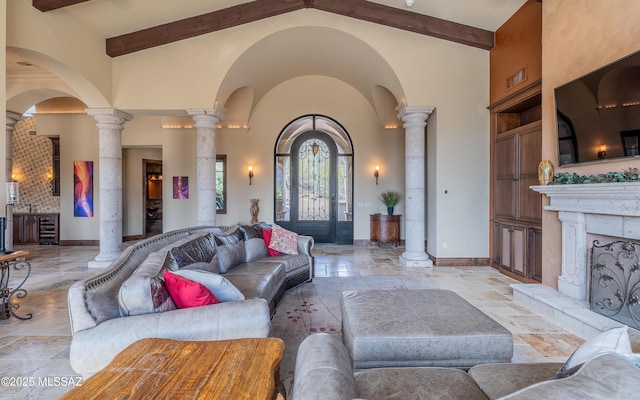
(266,235)
(187,293)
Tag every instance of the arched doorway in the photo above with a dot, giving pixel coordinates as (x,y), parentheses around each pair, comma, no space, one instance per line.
(314,179)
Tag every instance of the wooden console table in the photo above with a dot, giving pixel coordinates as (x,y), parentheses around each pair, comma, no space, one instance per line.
(385,229)
(171,369)
(18,262)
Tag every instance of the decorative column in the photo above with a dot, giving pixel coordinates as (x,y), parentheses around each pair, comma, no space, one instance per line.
(12,120)
(573,281)
(206,122)
(110,123)
(415,120)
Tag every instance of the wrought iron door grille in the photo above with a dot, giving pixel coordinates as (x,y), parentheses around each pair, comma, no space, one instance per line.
(313,181)
(615,281)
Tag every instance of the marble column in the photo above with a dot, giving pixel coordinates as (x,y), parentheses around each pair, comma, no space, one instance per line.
(110,123)
(415,120)
(12,120)
(206,122)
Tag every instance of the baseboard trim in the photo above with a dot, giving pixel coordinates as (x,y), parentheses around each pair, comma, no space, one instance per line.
(460,262)
(132,237)
(79,243)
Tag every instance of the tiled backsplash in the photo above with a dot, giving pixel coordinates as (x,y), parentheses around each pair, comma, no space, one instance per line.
(32,159)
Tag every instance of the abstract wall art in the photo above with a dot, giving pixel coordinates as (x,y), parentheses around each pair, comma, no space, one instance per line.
(83,188)
(180,187)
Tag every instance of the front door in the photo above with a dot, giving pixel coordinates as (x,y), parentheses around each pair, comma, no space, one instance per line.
(313,195)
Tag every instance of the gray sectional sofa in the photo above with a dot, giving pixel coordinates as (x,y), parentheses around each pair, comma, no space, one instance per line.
(128,300)
(324,371)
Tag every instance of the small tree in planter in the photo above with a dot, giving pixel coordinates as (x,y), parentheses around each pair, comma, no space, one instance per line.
(390,198)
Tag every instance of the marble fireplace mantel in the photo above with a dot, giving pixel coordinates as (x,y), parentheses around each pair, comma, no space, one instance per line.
(609,209)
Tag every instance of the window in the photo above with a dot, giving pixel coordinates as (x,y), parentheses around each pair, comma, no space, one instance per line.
(55,166)
(221,184)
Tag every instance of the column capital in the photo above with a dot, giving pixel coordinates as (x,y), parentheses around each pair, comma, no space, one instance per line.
(109,118)
(207,117)
(12,119)
(414,116)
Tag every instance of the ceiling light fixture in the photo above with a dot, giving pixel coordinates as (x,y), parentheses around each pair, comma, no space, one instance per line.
(409,3)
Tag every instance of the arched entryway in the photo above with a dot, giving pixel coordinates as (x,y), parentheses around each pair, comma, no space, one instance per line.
(314,179)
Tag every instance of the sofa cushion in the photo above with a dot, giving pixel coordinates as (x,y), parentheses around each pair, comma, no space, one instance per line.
(611,340)
(254,246)
(230,249)
(187,293)
(416,383)
(283,240)
(512,376)
(291,262)
(257,279)
(220,286)
(607,376)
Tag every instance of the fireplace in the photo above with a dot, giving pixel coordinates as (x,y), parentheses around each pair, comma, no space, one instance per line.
(607,209)
(615,281)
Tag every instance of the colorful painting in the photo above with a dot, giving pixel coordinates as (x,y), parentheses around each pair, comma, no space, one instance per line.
(180,187)
(83,188)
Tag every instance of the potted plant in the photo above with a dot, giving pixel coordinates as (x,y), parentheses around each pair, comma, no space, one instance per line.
(390,198)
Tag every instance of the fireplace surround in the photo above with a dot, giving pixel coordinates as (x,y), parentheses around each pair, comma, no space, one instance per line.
(606,209)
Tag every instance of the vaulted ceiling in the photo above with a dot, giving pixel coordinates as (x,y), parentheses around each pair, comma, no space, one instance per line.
(141,24)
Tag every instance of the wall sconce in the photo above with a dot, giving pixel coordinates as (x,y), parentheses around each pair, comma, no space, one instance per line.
(376,173)
(250,174)
(49,178)
(602,151)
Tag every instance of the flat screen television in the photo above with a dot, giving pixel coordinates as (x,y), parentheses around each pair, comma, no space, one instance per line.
(598,115)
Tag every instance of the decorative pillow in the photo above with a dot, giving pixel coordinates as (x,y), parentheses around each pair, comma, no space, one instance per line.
(614,340)
(230,249)
(187,293)
(160,297)
(254,246)
(266,237)
(200,249)
(220,286)
(607,376)
(283,240)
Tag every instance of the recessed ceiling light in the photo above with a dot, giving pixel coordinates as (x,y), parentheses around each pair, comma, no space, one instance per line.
(409,3)
(25,63)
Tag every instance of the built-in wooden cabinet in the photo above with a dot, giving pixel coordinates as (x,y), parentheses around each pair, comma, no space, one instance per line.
(516,246)
(385,229)
(36,228)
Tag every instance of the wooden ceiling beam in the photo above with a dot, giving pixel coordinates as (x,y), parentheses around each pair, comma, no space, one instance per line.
(409,21)
(49,5)
(199,25)
(260,9)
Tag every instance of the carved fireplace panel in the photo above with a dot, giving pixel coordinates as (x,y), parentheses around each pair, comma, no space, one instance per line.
(615,281)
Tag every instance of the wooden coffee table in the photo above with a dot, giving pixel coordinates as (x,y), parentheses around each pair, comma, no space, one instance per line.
(170,369)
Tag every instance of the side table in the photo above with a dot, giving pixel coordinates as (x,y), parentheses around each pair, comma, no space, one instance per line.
(18,262)
(172,369)
(385,229)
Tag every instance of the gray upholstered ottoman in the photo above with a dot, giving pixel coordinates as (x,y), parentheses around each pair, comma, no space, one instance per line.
(409,328)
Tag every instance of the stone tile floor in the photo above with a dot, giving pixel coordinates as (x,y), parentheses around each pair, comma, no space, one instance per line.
(35,351)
